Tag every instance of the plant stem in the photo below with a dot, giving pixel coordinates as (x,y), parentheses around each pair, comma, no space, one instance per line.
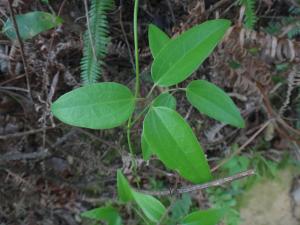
(136,48)
(21,44)
(197,187)
(151,90)
(176,89)
(168,90)
(147,107)
(137,70)
(140,115)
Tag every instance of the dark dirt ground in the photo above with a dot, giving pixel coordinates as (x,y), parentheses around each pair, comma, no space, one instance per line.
(50,172)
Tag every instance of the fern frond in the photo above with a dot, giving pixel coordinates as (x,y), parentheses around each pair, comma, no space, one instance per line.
(295,11)
(250,16)
(293,82)
(95,41)
(288,25)
(294,31)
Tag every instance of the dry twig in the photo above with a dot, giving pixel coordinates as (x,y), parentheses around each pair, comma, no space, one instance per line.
(261,129)
(198,187)
(24,156)
(20,134)
(13,18)
(125,37)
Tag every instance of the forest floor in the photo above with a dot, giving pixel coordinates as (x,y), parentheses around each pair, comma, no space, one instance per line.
(51,172)
(273,195)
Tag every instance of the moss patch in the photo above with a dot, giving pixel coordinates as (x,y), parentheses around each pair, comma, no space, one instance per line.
(269,202)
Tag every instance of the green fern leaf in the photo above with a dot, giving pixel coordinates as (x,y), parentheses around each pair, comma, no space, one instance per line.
(294,32)
(95,41)
(250,16)
(289,25)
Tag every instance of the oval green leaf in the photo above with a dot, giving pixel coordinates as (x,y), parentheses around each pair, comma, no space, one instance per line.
(181,207)
(164,99)
(31,24)
(214,102)
(173,141)
(207,217)
(97,106)
(151,207)
(107,214)
(146,150)
(184,54)
(124,189)
(157,39)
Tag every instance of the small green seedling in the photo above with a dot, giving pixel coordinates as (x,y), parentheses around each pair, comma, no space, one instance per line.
(165,132)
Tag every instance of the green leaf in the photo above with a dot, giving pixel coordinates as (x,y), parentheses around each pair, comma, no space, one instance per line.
(236,164)
(31,24)
(97,106)
(157,39)
(184,54)
(124,190)
(214,102)
(107,214)
(207,217)
(95,41)
(173,141)
(250,13)
(164,99)
(146,150)
(181,207)
(151,207)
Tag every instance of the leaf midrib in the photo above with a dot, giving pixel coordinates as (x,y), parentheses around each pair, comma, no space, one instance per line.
(186,158)
(97,103)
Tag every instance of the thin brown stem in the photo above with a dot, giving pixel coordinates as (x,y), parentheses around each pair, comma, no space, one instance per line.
(25,133)
(13,18)
(61,7)
(215,183)
(125,38)
(24,156)
(261,129)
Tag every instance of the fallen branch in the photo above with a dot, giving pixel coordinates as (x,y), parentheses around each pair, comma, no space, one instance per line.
(24,156)
(198,187)
(25,133)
